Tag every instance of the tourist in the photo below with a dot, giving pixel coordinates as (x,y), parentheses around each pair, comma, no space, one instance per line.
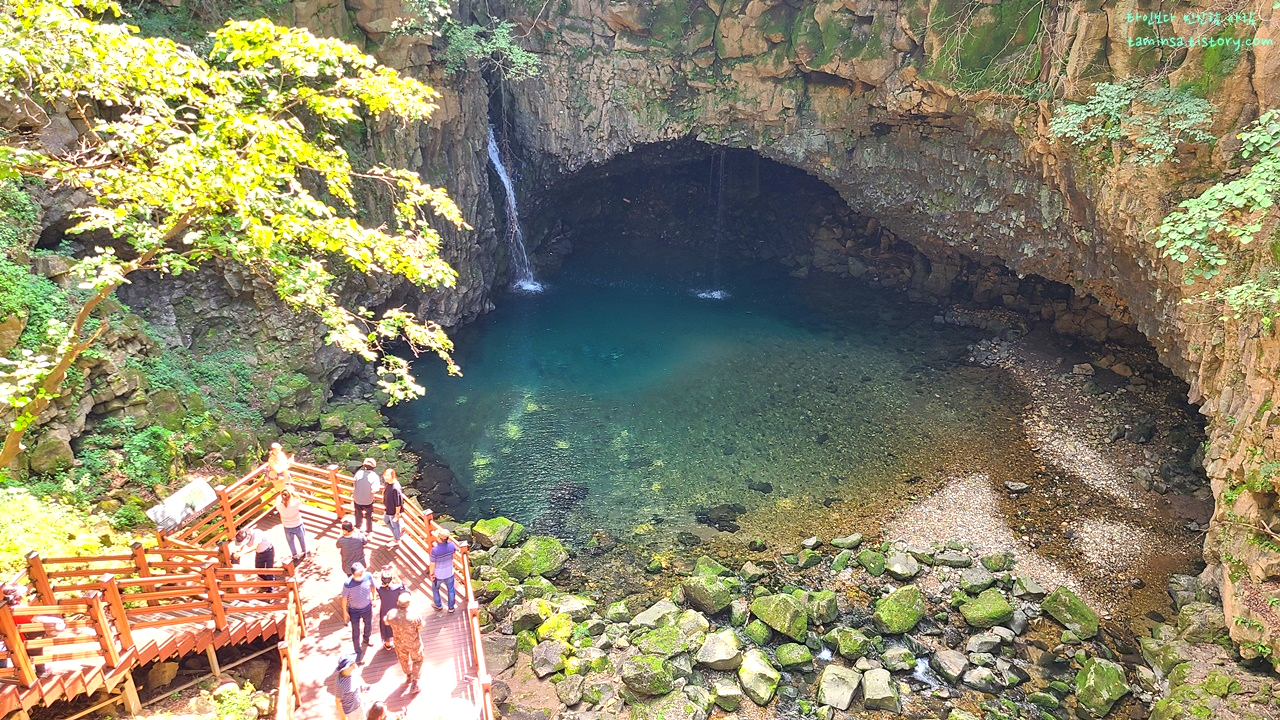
(264,553)
(392,503)
(357,608)
(379,711)
(351,546)
(406,627)
(349,689)
(441,568)
(366,485)
(289,505)
(388,593)
(278,466)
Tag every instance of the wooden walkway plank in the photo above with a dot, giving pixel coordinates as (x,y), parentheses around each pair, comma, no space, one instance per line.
(449,660)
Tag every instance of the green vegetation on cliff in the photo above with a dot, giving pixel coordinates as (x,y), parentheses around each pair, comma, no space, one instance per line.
(1130,121)
(199,162)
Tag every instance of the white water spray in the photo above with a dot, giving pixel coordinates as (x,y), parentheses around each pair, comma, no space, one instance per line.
(519,258)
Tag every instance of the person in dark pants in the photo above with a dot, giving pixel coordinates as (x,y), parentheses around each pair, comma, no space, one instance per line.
(363,493)
(264,553)
(351,546)
(388,595)
(357,608)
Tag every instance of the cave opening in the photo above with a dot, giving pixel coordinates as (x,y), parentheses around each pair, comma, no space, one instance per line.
(725,350)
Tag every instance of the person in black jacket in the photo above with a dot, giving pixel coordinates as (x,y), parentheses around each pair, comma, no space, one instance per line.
(393,503)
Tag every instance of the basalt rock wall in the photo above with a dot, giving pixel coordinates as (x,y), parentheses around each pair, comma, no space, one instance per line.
(931,117)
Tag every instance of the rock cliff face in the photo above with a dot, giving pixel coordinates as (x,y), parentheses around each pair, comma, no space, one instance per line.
(928,116)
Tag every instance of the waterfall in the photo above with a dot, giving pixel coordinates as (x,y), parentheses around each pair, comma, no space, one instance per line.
(715,191)
(519,257)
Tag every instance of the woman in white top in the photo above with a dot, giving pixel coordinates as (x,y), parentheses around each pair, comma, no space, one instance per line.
(290,508)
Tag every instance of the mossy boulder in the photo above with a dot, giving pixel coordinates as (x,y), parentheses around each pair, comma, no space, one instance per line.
(706,593)
(557,627)
(493,532)
(647,675)
(1099,684)
(793,654)
(872,561)
(783,613)
(1067,608)
(900,610)
(987,610)
(709,566)
(758,632)
(547,553)
(821,605)
(851,644)
(514,562)
(758,677)
(665,641)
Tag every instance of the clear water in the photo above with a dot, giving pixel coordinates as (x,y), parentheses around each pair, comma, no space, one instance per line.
(623,397)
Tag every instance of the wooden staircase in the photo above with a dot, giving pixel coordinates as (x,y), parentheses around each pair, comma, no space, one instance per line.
(183,596)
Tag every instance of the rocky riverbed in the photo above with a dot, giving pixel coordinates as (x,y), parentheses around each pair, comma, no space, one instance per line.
(844,626)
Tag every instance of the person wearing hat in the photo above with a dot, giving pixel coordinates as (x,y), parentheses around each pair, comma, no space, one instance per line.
(406,627)
(357,608)
(441,568)
(349,689)
(366,485)
(389,590)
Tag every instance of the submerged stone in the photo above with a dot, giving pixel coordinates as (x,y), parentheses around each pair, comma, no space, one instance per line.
(709,566)
(1067,608)
(849,542)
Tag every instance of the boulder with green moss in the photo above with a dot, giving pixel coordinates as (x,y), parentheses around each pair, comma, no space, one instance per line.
(989,609)
(706,592)
(547,553)
(494,532)
(647,675)
(820,604)
(1067,608)
(783,613)
(851,644)
(900,610)
(792,655)
(514,562)
(557,627)
(1099,684)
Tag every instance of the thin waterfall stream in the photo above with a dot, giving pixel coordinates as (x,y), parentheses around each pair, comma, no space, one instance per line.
(524,279)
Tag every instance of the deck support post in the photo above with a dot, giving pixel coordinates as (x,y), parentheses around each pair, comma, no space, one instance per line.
(129,693)
(214,667)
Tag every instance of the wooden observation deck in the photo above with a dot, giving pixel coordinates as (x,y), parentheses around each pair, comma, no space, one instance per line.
(188,596)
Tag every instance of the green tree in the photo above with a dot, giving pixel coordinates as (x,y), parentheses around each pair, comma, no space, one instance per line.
(235,156)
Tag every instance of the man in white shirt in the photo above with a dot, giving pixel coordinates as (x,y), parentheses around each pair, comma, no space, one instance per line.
(264,555)
(362,495)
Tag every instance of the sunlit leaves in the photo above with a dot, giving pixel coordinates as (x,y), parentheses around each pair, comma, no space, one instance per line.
(1235,210)
(234,156)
